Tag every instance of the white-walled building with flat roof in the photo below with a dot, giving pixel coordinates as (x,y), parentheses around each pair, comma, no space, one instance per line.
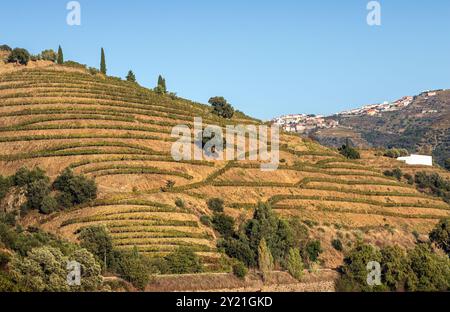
(422,160)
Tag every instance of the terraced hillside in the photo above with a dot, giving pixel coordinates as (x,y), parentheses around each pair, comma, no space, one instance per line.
(119,134)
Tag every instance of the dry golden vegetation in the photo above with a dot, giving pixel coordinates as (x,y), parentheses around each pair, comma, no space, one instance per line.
(119,134)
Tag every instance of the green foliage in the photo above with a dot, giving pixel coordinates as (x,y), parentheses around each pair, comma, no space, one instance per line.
(91,278)
(5,185)
(440,235)
(223,224)
(447,164)
(49,55)
(294,263)
(420,269)
(161,87)
(77,189)
(240,270)
(98,241)
(103,62)
(396,152)
(5,47)
(24,176)
(215,204)
(312,251)
(434,184)
(205,220)
(183,261)
(179,203)
(48,205)
(36,193)
(60,59)
(20,56)
(4,259)
(239,249)
(135,268)
(349,152)
(265,259)
(221,107)
(131,77)
(337,244)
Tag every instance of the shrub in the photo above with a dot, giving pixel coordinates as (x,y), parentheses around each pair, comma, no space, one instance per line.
(183,261)
(98,241)
(223,224)
(221,107)
(5,184)
(312,250)
(49,55)
(76,187)
(4,259)
(20,56)
(24,176)
(294,263)
(397,173)
(134,268)
(440,235)
(205,220)
(240,270)
(337,244)
(179,203)
(36,192)
(5,47)
(93,71)
(349,152)
(396,153)
(239,249)
(215,204)
(48,205)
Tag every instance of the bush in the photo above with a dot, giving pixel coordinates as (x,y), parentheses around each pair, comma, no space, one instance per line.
(134,268)
(5,47)
(48,205)
(183,261)
(396,153)
(221,107)
(312,250)
(441,236)
(4,259)
(239,249)
(294,263)
(240,270)
(179,203)
(98,241)
(337,244)
(205,220)
(24,176)
(49,55)
(349,152)
(223,224)
(77,189)
(5,185)
(216,204)
(20,56)
(397,173)
(36,192)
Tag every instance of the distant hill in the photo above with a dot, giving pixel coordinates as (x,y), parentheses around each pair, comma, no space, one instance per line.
(422,126)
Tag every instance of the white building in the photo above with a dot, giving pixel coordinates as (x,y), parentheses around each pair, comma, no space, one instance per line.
(417,160)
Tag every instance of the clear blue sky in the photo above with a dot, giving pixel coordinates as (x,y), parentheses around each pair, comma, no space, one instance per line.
(266,57)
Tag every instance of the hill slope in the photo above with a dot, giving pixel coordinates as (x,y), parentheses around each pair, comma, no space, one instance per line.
(119,134)
(423,125)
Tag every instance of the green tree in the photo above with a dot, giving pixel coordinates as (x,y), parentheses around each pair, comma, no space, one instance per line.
(161,87)
(440,235)
(77,189)
(221,107)
(60,59)
(223,224)
(20,56)
(240,270)
(98,241)
(265,259)
(349,152)
(36,192)
(43,270)
(103,62)
(49,55)
(135,268)
(294,263)
(312,251)
(215,204)
(91,278)
(183,261)
(131,76)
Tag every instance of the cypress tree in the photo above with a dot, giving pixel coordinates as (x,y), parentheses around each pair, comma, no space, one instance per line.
(60,56)
(161,87)
(131,76)
(265,259)
(103,63)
